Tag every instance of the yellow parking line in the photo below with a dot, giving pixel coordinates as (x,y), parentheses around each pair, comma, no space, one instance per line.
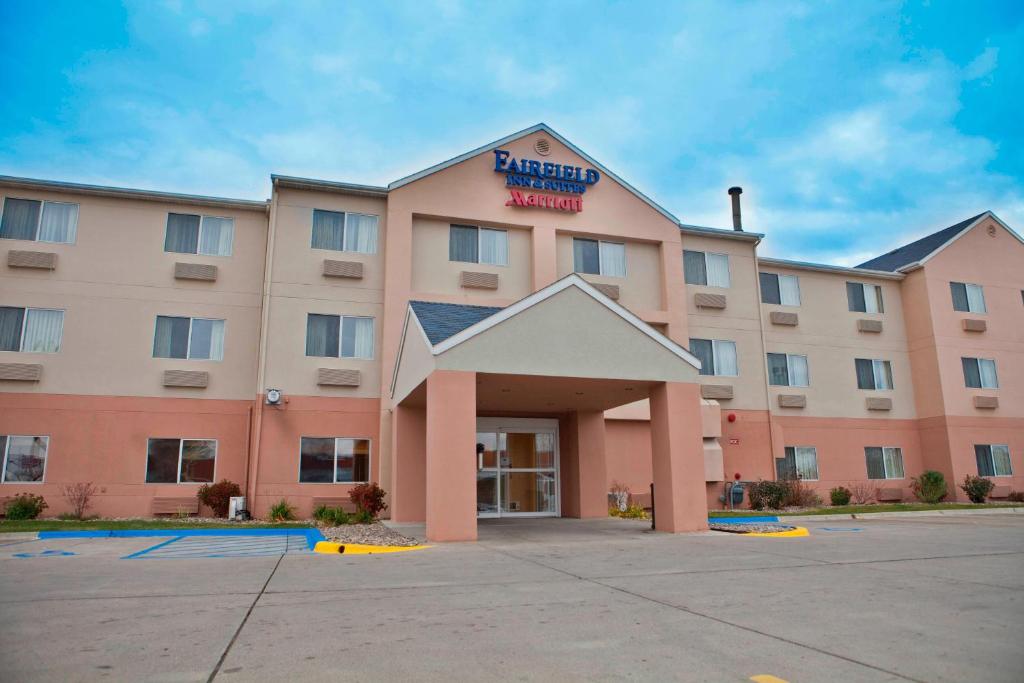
(798,531)
(767,678)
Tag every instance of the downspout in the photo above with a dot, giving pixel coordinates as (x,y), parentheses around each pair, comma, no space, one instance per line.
(764,365)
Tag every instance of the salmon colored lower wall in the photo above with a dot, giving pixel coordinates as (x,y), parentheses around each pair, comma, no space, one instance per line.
(964,432)
(280,433)
(103,440)
(628,453)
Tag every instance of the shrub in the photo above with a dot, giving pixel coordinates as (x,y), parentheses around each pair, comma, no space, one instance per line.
(79,497)
(767,494)
(282,511)
(25,506)
(840,495)
(620,493)
(369,498)
(929,487)
(362,517)
(799,495)
(632,511)
(862,492)
(1016,497)
(977,488)
(218,496)
(331,516)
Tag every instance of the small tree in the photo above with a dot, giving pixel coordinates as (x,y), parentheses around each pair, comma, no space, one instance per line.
(218,496)
(369,498)
(977,488)
(862,493)
(79,497)
(840,495)
(929,487)
(25,506)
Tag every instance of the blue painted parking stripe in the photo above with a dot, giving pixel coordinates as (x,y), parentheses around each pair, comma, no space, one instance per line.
(312,536)
(158,545)
(743,520)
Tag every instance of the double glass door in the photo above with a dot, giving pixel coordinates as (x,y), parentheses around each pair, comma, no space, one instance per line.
(517,468)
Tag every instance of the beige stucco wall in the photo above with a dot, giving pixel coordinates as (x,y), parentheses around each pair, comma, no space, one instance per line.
(640,290)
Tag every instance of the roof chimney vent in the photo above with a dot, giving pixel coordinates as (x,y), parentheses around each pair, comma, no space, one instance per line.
(737,221)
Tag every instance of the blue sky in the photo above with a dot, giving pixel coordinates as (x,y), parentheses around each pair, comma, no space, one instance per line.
(852,126)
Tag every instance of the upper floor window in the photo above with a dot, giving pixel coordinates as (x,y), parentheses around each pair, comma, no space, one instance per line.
(993,460)
(967,297)
(873,374)
(800,462)
(980,373)
(717,356)
(191,338)
(597,257)
(206,235)
(787,370)
(780,289)
(334,460)
(31,330)
(700,268)
(180,461)
(339,336)
(884,462)
(24,458)
(344,231)
(39,221)
(864,298)
(478,245)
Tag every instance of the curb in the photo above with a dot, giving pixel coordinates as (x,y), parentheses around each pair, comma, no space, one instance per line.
(332,548)
(906,513)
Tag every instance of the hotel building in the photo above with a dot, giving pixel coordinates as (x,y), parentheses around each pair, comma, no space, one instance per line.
(510,332)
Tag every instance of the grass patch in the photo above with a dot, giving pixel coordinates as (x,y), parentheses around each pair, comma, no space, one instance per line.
(8,526)
(855,509)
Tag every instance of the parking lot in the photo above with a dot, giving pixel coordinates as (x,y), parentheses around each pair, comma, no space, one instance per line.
(922,599)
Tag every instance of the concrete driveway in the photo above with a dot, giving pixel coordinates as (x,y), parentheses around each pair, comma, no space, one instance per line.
(922,599)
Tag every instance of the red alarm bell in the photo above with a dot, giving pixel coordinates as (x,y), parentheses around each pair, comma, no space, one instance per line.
(732,417)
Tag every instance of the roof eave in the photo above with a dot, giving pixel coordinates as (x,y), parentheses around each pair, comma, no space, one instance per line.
(296,183)
(826,268)
(741,235)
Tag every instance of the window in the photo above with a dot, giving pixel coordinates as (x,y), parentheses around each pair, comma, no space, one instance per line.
(884,462)
(24,458)
(980,373)
(191,234)
(993,460)
(800,462)
(968,298)
(339,231)
(30,330)
(864,298)
(334,461)
(339,336)
(478,245)
(180,461)
(701,268)
(787,370)
(191,338)
(31,219)
(873,374)
(780,289)
(717,357)
(596,257)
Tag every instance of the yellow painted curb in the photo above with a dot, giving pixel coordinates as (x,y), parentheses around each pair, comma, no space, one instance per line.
(332,548)
(767,678)
(792,533)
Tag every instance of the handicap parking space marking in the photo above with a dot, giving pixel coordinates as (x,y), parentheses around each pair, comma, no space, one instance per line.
(186,547)
(841,528)
(47,553)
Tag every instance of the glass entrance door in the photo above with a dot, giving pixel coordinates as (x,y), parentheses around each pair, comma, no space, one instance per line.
(517,468)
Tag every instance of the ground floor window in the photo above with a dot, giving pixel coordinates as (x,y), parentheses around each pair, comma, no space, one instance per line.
(800,462)
(884,462)
(180,461)
(24,458)
(334,460)
(993,460)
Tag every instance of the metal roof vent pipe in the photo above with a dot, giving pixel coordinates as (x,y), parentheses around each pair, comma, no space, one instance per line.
(737,220)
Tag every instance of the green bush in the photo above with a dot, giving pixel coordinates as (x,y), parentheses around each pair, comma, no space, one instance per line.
(282,511)
(977,488)
(1016,497)
(632,511)
(363,517)
(25,506)
(218,496)
(929,487)
(767,494)
(331,516)
(840,495)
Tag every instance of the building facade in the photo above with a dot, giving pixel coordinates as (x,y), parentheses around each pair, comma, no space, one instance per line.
(512,332)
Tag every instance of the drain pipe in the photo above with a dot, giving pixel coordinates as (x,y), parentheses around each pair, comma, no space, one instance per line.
(652,506)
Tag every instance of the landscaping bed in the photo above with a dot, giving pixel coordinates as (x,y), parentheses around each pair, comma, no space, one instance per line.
(859,509)
(750,527)
(367,534)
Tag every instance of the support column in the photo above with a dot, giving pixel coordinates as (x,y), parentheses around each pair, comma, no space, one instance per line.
(680,501)
(584,469)
(451,456)
(409,455)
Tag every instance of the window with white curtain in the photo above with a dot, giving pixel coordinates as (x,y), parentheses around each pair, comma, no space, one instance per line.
(980,373)
(780,289)
(884,462)
(344,231)
(334,460)
(470,244)
(24,458)
(180,461)
(967,297)
(993,460)
(873,374)
(194,234)
(800,462)
(597,257)
(705,268)
(864,298)
(39,221)
(31,330)
(717,356)
(339,336)
(188,338)
(787,370)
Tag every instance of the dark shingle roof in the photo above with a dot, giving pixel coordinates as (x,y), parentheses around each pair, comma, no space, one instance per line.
(441,321)
(915,251)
